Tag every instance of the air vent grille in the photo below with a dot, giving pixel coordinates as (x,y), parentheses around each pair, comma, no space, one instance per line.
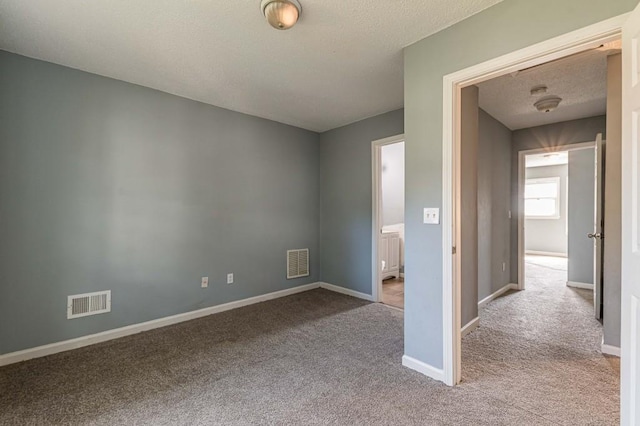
(297,263)
(82,305)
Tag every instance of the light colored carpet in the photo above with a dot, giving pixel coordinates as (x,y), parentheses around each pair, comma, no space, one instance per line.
(324,358)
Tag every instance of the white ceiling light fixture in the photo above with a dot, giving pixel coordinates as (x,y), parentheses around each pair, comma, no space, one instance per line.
(548,103)
(281,14)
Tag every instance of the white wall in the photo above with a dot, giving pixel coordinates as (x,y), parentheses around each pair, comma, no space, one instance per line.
(548,235)
(393,184)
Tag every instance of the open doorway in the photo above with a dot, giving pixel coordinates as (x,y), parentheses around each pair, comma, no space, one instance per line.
(524,208)
(388,221)
(562,196)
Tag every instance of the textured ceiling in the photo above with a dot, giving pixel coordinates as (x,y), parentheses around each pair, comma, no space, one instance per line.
(341,63)
(580,80)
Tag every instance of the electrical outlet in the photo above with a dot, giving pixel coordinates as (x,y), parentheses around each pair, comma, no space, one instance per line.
(229,278)
(205,282)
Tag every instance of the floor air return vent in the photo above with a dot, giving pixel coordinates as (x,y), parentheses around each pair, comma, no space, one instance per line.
(82,305)
(297,263)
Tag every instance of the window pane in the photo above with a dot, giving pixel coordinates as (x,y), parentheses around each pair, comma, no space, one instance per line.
(545,207)
(541,190)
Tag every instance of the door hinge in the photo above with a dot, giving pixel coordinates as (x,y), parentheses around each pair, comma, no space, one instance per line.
(453,250)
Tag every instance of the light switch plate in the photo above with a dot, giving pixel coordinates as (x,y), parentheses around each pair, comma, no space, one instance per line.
(205,282)
(432,216)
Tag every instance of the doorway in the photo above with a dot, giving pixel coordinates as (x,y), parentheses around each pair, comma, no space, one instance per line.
(561,195)
(560,47)
(388,221)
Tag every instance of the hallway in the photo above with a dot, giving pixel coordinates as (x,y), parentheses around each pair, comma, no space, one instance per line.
(539,349)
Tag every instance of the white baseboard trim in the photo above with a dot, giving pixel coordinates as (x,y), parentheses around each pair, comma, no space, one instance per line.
(401,274)
(423,368)
(610,350)
(576,284)
(346,291)
(470,327)
(495,295)
(79,342)
(545,253)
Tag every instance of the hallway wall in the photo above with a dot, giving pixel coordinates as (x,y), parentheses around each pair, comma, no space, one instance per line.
(494,192)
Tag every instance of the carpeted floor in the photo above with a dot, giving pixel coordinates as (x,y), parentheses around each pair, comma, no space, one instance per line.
(324,358)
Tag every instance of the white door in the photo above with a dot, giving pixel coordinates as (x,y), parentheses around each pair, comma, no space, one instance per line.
(630,341)
(598,228)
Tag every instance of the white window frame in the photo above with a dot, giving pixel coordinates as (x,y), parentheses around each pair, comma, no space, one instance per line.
(553,179)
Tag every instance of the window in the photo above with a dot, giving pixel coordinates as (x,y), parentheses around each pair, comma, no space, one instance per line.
(542,198)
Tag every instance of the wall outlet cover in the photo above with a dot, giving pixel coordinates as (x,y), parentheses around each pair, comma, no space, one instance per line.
(229,278)
(432,216)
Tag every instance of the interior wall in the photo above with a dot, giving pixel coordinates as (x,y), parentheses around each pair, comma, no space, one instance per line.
(346,199)
(393,184)
(468,214)
(109,185)
(494,202)
(496,31)
(549,235)
(613,204)
(550,137)
(581,215)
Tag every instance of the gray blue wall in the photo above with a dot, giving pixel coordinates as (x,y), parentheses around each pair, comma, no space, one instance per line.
(494,202)
(109,185)
(346,199)
(503,28)
(581,213)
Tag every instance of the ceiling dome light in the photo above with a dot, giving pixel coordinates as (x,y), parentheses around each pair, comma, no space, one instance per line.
(281,14)
(548,103)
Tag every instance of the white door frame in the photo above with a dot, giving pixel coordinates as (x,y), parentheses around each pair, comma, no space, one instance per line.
(376,211)
(522,155)
(574,42)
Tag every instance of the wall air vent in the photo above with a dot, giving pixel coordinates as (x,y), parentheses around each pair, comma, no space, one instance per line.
(297,263)
(82,305)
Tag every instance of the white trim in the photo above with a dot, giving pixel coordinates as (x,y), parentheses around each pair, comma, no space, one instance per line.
(610,350)
(469,328)
(401,274)
(91,339)
(576,284)
(496,294)
(555,48)
(376,211)
(346,291)
(545,253)
(116,333)
(421,367)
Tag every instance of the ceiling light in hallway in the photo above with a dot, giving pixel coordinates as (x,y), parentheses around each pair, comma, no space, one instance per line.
(548,103)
